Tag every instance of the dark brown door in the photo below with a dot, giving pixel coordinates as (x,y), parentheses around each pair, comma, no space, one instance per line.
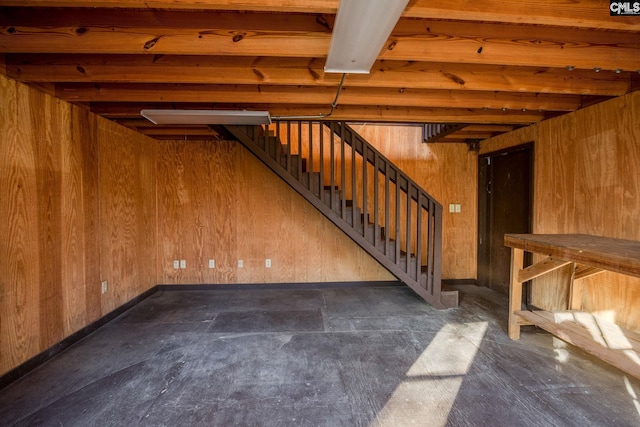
(504,206)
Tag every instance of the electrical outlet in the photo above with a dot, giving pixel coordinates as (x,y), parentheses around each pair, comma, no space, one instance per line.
(240,263)
(457,207)
(176,264)
(267,263)
(104,286)
(183,263)
(452,208)
(212,263)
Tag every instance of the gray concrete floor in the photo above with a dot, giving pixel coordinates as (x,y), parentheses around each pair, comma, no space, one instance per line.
(369,356)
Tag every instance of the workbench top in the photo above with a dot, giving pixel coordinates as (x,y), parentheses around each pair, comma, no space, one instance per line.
(618,255)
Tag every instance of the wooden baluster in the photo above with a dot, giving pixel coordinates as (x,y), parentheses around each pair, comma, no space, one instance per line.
(365,221)
(354,189)
(398,214)
(321,183)
(387,209)
(419,239)
(300,151)
(343,199)
(376,214)
(310,163)
(288,146)
(430,253)
(408,227)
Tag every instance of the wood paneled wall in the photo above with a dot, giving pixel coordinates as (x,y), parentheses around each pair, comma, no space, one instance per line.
(127,191)
(72,207)
(587,180)
(217,201)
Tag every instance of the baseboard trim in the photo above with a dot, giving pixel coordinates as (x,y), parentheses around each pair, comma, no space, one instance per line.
(37,360)
(456,282)
(277,286)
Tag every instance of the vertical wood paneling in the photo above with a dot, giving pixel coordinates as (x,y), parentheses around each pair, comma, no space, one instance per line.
(49,223)
(196,204)
(19,288)
(586,180)
(83,134)
(49,219)
(170,169)
(127,190)
(253,216)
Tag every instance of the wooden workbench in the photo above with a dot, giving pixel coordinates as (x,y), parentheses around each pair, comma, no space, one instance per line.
(586,255)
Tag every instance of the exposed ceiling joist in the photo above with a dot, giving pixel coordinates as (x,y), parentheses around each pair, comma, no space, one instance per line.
(493,66)
(578,14)
(307,36)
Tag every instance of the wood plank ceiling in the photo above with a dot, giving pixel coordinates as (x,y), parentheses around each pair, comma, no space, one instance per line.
(486,64)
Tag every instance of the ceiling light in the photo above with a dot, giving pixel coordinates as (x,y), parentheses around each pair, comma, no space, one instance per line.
(359,33)
(206,117)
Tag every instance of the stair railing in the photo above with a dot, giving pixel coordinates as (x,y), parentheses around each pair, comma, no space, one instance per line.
(363,193)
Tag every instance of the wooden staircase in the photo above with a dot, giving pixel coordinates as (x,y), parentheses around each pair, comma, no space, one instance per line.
(361,192)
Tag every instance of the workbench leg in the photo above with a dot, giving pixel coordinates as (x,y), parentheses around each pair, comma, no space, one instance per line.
(515,293)
(575,290)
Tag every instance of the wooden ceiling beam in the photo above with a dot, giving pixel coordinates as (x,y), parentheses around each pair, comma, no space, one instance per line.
(256,34)
(301,71)
(343,112)
(488,128)
(91,92)
(579,14)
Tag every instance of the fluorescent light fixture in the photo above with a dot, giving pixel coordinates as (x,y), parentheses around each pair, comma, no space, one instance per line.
(206,117)
(359,32)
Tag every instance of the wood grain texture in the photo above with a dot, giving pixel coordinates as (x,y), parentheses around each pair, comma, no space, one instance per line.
(216,33)
(618,255)
(251,215)
(127,213)
(83,133)
(582,13)
(586,180)
(194,69)
(19,314)
(50,232)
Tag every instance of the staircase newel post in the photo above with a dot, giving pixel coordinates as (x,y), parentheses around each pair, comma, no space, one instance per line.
(437,250)
(321,183)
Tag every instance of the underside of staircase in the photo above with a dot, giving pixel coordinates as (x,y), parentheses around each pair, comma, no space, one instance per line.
(362,193)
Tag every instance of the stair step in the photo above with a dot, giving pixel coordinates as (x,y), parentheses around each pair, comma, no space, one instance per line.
(336,198)
(315,181)
(269,144)
(296,165)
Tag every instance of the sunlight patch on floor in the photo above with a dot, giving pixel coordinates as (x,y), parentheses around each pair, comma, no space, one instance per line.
(432,383)
(632,393)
